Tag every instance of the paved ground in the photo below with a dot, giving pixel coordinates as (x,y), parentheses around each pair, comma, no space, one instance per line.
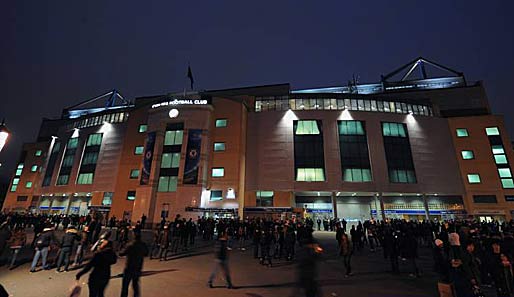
(186,276)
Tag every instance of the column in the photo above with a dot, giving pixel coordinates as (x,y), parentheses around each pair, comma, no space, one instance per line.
(382,208)
(334,204)
(425,205)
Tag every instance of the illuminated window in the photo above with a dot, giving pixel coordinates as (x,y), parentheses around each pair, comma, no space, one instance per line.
(93,139)
(28,185)
(507,183)
(134,173)
(33,168)
(474,178)
(492,131)
(107,200)
(173,137)
(497,149)
(310,174)
(138,150)
(63,179)
(90,158)
(170,160)
(500,159)
(307,128)
(142,128)
(38,153)
(504,172)
(357,175)
(131,195)
(85,179)
(219,146)
(462,132)
(467,155)
(216,195)
(221,123)
(19,169)
(218,172)
(167,184)
(264,198)
(15,183)
(394,129)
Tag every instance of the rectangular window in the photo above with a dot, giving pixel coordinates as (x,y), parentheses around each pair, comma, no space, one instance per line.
(310,174)
(131,195)
(19,169)
(107,200)
(509,198)
(170,160)
(490,131)
(484,199)
(28,185)
(474,178)
(264,198)
(22,198)
(500,159)
(90,158)
(85,179)
(497,149)
(94,139)
(307,128)
(15,182)
(33,168)
(51,164)
(173,137)
(504,172)
(167,184)
(216,195)
(353,146)
(462,132)
(218,172)
(219,146)
(138,150)
(134,173)
(507,183)
(38,153)
(309,155)
(142,128)
(63,179)
(398,153)
(467,155)
(221,123)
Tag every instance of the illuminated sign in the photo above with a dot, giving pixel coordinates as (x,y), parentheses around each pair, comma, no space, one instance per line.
(175,102)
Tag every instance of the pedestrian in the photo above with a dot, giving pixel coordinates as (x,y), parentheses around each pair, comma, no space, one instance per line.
(164,243)
(5,234)
(221,261)
(101,263)
(346,252)
(42,244)
(81,247)
(67,243)
(441,262)
(135,252)
(16,243)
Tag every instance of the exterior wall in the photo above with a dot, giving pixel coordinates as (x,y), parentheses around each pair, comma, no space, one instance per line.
(483,163)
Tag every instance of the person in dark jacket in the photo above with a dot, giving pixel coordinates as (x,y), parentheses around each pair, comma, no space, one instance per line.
(135,252)
(16,243)
(221,260)
(68,240)
(101,265)
(441,262)
(42,248)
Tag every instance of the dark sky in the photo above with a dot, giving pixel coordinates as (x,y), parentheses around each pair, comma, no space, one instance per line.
(56,53)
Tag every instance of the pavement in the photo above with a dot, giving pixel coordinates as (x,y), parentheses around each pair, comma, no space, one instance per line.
(186,275)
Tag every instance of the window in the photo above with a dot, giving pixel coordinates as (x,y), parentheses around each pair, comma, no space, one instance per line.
(33,168)
(134,173)
(219,146)
(138,150)
(310,174)
(28,185)
(497,149)
(500,159)
(63,180)
(22,198)
(394,129)
(94,139)
(307,128)
(167,184)
(484,198)
(264,198)
(504,172)
(38,153)
(131,195)
(398,153)
(218,172)
(170,160)
(467,155)
(357,175)
(509,198)
(216,195)
(15,182)
(107,198)
(507,183)
(353,146)
(462,132)
(221,123)
(142,128)
(474,178)
(85,179)
(19,169)
(492,131)
(173,137)
(90,158)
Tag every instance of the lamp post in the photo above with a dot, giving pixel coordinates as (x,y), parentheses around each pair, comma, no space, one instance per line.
(4,134)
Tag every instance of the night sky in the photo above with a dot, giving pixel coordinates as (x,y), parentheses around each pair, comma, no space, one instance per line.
(57,53)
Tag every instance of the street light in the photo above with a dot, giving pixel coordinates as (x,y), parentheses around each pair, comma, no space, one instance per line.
(4,134)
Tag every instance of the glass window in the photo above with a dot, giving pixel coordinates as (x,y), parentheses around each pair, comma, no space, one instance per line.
(219,146)
(167,184)
(309,127)
(131,195)
(351,128)
(166,160)
(490,131)
(218,172)
(33,168)
(484,198)
(509,198)
(15,181)
(394,129)
(310,174)
(474,178)
(85,179)
(134,173)
(142,128)
(63,179)
(500,159)
(94,139)
(467,155)
(173,137)
(175,160)
(107,198)
(221,123)
(19,169)
(462,132)
(28,185)
(216,195)
(264,198)
(89,158)
(497,149)
(507,183)
(357,175)
(38,153)
(138,150)
(504,172)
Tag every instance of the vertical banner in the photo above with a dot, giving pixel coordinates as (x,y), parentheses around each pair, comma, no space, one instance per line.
(194,143)
(148,157)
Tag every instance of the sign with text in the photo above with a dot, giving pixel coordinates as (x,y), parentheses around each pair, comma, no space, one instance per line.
(175,102)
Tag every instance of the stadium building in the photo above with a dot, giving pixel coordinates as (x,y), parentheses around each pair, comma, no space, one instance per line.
(421,143)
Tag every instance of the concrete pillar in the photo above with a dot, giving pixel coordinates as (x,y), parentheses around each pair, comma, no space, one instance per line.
(334,204)
(425,205)
(382,208)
